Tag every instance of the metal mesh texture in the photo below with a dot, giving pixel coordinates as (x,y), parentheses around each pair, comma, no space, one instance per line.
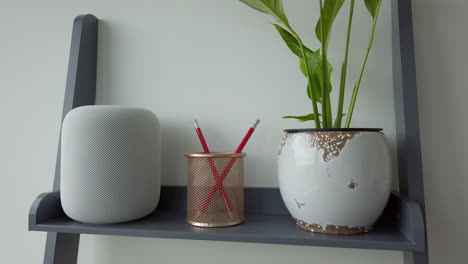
(209,205)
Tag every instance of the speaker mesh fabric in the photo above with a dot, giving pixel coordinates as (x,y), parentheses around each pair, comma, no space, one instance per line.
(110,163)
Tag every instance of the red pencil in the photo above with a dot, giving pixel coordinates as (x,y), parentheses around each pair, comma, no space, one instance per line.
(227,203)
(219,181)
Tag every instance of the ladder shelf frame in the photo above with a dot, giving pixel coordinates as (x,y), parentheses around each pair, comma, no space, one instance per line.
(402,225)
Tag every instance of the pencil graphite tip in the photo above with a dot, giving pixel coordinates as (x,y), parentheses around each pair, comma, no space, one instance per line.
(195,124)
(256,123)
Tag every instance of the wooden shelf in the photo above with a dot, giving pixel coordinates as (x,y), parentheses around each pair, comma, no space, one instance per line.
(270,224)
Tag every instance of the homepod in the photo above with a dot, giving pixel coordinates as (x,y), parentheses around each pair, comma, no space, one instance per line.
(110,163)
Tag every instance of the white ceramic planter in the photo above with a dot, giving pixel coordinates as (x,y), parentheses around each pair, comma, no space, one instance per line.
(335,181)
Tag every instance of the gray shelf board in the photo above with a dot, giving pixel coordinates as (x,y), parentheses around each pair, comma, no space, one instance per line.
(47,215)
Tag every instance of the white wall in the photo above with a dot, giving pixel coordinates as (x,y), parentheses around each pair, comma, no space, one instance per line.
(223,63)
(441,41)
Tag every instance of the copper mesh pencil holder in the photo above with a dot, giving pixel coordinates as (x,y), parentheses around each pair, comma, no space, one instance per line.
(215,191)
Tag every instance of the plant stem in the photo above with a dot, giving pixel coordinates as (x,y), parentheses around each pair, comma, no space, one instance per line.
(344,68)
(324,73)
(358,83)
(312,94)
(309,77)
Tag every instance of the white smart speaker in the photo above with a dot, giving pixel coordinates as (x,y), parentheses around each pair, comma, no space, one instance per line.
(110,164)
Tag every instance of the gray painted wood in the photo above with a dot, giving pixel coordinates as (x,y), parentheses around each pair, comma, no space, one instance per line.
(266,222)
(406,111)
(80,90)
(64,249)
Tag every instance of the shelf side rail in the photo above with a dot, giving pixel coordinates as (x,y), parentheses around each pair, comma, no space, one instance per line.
(80,90)
(406,115)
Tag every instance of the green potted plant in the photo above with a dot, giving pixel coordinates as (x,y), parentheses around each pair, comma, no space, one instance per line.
(333,178)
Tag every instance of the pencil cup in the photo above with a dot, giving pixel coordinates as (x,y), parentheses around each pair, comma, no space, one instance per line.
(215,191)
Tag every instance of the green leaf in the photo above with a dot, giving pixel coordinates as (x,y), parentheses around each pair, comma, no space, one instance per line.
(303,67)
(315,62)
(373,6)
(271,7)
(290,40)
(275,9)
(313,59)
(316,88)
(330,11)
(319,75)
(302,118)
(309,90)
(314,83)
